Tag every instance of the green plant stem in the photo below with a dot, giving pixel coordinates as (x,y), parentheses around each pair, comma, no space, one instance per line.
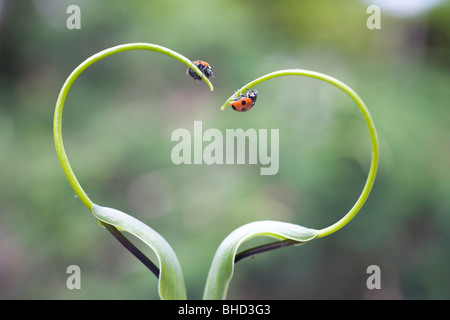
(367,117)
(57,123)
(57,128)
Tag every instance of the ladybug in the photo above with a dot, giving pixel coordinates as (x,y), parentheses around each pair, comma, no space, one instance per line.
(203,66)
(245,101)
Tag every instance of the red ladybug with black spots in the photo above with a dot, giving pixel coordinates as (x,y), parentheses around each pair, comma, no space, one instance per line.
(203,66)
(245,101)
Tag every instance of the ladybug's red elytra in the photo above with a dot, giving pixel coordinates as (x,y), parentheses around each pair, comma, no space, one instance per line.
(245,101)
(204,67)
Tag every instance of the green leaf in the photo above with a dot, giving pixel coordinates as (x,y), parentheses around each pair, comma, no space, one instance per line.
(171,282)
(222,266)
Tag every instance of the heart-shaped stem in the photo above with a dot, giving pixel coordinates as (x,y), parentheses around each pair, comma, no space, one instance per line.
(226,256)
(57,123)
(115,220)
(367,117)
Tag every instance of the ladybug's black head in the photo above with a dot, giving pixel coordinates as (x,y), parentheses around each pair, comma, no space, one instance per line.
(252,94)
(207,71)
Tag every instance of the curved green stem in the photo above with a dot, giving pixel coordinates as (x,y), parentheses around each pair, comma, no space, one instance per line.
(367,117)
(171,283)
(57,122)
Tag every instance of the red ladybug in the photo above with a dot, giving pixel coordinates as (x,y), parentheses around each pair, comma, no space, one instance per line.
(245,101)
(203,66)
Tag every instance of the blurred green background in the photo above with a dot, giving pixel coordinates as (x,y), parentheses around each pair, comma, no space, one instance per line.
(120,114)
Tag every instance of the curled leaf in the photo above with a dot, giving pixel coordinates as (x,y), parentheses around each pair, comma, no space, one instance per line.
(171,282)
(222,266)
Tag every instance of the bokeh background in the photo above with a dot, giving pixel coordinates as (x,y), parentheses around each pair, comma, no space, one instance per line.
(120,114)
